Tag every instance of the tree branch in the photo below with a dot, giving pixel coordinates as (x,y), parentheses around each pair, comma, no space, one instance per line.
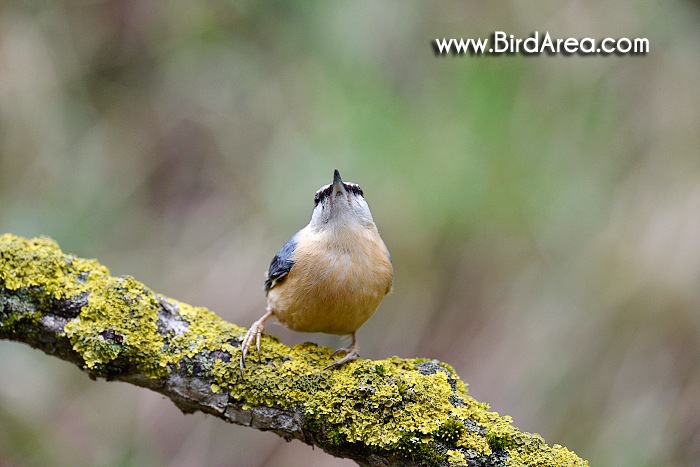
(385,412)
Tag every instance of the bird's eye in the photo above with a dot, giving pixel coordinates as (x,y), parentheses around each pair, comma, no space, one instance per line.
(317,198)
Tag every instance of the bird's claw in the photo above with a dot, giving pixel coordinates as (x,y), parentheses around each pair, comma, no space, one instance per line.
(253,334)
(351,353)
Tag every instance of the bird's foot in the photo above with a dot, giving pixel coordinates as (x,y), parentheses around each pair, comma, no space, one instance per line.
(253,334)
(351,353)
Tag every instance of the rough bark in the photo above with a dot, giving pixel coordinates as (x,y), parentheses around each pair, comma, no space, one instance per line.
(378,413)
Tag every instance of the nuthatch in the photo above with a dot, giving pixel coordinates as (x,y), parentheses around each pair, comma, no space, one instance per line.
(331,275)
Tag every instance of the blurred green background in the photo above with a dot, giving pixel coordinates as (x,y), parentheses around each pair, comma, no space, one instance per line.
(543,213)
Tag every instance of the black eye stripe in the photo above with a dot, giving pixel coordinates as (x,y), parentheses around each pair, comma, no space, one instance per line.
(327,191)
(354,188)
(323,194)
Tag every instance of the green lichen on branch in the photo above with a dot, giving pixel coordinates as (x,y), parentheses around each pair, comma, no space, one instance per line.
(415,409)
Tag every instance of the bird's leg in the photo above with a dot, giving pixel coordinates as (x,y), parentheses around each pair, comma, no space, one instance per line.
(351,353)
(254,333)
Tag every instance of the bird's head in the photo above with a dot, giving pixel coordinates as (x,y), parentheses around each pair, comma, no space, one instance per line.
(340,204)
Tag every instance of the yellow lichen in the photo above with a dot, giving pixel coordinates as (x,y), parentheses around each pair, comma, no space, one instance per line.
(205,331)
(545,456)
(384,404)
(40,262)
(126,311)
(456,458)
(379,409)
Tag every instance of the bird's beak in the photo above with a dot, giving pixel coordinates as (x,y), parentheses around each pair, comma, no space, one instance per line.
(337,183)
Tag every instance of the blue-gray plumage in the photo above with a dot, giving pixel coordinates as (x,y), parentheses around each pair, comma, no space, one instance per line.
(331,275)
(281,264)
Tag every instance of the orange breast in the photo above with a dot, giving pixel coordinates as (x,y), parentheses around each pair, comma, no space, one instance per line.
(332,288)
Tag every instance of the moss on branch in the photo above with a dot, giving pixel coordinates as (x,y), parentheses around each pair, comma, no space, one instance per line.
(383,412)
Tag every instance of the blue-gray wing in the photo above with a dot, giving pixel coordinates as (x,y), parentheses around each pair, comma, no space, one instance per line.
(281,264)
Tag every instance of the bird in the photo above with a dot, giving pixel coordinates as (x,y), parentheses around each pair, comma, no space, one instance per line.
(331,275)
